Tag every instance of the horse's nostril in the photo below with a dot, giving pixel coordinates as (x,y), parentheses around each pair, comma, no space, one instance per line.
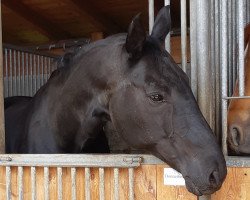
(214,178)
(235,133)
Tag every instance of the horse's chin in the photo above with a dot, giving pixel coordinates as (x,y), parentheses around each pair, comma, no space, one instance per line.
(198,190)
(240,150)
(192,188)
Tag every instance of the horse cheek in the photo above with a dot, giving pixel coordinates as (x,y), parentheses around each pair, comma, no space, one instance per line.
(133,119)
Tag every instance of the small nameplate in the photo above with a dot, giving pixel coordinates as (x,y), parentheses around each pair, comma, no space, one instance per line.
(172,177)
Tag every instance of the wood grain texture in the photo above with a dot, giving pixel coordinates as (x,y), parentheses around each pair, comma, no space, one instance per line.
(26,183)
(96,36)
(111,183)
(80,192)
(40,183)
(123,184)
(171,192)
(236,185)
(40,22)
(176,49)
(28,22)
(53,183)
(145,182)
(94,183)
(66,179)
(14,185)
(2,183)
(96,17)
(107,182)
(148,184)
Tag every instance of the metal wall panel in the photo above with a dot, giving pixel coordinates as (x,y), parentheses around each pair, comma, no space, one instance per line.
(25,72)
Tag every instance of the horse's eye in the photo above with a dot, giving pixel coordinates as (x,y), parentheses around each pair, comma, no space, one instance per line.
(156,97)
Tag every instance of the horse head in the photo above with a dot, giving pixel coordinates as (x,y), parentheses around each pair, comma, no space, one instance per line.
(239,111)
(152,108)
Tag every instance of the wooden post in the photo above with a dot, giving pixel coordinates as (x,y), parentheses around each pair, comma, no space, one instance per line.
(2,133)
(96,36)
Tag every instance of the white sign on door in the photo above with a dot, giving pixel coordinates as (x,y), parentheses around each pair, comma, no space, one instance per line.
(172,177)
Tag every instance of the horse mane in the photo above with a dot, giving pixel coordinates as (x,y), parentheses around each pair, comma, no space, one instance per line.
(65,60)
(152,47)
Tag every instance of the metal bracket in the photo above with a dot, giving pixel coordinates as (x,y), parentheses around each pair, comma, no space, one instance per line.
(133,160)
(5,159)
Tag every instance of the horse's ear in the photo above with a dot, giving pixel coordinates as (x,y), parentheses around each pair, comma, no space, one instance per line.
(162,24)
(135,38)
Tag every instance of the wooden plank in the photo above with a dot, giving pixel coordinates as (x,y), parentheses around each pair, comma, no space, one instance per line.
(94,183)
(45,26)
(176,49)
(107,183)
(145,182)
(76,20)
(53,183)
(96,36)
(111,177)
(236,185)
(26,183)
(17,30)
(148,184)
(96,17)
(66,178)
(123,184)
(14,183)
(171,192)
(80,183)
(2,131)
(2,183)
(40,183)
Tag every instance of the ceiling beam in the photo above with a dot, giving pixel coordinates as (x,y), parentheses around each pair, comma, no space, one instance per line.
(95,17)
(43,25)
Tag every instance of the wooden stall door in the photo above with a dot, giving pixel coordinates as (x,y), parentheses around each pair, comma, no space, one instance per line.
(148,184)
(236,185)
(171,192)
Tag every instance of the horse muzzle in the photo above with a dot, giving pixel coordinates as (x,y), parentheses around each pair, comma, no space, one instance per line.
(209,184)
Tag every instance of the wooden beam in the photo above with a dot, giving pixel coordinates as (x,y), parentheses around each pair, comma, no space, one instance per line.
(2,132)
(96,36)
(43,25)
(95,17)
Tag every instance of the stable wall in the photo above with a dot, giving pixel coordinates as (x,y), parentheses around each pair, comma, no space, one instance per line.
(148,184)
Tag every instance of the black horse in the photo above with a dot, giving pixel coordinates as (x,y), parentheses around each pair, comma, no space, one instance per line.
(131,82)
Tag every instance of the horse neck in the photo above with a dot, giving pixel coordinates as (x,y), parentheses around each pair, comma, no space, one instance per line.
(83,90)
